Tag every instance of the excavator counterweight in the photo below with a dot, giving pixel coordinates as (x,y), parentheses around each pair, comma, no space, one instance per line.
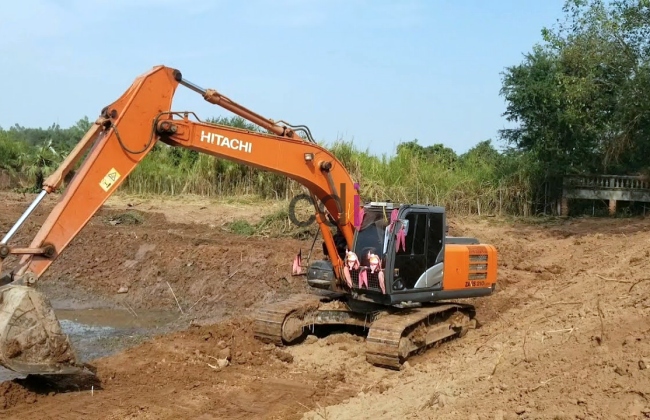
(386,270)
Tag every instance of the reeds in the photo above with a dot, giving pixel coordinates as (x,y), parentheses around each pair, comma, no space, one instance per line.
(482,181)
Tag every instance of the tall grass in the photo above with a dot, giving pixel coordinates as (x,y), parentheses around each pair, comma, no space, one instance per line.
(473,184)
(172,171)
(481,181)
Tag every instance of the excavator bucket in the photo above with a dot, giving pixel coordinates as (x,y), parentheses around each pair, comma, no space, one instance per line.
(31,338)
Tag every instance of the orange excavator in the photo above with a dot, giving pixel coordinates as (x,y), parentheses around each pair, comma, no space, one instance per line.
(394,271)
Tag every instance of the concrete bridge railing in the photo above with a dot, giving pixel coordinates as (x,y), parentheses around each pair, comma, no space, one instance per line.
(605,187)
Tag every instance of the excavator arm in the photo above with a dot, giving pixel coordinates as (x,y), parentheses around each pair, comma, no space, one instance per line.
(120,138)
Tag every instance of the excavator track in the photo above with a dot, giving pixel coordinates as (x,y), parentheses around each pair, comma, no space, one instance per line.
(282,322)
(394,334)
(394,337)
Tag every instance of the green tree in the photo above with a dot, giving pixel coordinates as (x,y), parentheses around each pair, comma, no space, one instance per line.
(436,153)
(581,98)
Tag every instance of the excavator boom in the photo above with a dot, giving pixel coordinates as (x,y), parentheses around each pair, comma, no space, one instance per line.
(31,339)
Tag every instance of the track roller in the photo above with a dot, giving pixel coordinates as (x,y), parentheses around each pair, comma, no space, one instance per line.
(394,334)
(395,337)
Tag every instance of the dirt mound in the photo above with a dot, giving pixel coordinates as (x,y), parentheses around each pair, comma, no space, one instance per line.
(200,265)
(215,371)
(13,394)
(153,262)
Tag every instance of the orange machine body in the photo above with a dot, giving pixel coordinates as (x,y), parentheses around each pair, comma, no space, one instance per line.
(469,267)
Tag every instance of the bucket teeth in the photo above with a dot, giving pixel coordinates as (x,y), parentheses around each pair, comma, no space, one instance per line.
(31,338)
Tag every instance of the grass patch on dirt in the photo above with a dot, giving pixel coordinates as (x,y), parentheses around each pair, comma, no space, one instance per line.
(130,217)
(242,227)
(277,224)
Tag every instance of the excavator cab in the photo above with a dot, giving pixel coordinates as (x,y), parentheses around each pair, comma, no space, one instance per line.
(412,244)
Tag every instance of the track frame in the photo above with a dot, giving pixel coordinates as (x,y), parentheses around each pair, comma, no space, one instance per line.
(393,334)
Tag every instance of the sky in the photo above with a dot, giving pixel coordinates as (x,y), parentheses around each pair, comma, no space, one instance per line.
(373,72)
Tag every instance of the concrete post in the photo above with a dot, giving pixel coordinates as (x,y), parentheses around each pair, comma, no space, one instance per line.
(564,207)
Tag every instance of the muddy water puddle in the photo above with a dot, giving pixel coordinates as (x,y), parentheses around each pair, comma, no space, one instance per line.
(96,333)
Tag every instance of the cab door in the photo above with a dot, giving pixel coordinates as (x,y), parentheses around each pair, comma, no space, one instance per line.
(432,276)
(411,263)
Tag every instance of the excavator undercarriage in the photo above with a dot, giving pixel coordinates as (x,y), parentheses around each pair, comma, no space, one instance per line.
(392,334)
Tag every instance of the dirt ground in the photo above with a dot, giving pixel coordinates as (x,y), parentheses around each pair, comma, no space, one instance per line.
(565,336)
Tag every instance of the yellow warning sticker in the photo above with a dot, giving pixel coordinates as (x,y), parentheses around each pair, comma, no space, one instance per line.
(109,179)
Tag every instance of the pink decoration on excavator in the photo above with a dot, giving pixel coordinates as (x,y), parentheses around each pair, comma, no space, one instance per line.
(297,264)
(393,216)
(357,206)
(375,267)
(400,239)
(360,217)
(351,263)
(351,260)
(363,278)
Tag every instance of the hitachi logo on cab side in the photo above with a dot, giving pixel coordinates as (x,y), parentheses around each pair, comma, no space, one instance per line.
(219,140)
